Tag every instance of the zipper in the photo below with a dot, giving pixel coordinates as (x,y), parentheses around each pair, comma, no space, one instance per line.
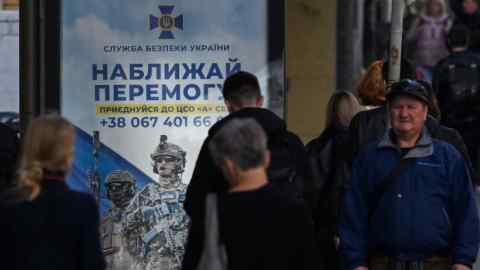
(447,218)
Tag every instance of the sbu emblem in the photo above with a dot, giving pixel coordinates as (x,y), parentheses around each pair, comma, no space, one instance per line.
(166,22)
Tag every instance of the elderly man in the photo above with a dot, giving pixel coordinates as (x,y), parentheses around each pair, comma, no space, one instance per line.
(261,227)
(411,204)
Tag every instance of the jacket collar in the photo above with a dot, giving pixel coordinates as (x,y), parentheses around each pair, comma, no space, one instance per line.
(423,148)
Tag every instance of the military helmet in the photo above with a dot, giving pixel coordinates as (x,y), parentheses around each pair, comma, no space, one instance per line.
(120,176)
(169,149)
(120,186)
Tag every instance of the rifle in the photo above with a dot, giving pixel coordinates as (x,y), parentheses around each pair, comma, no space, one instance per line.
(94,175)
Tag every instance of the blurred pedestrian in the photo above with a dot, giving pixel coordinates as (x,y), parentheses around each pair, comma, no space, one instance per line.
(411,203)
(44,224)
(429,33)
(260,227)
(457,84)
(468,14)
(327,153)
(371,89)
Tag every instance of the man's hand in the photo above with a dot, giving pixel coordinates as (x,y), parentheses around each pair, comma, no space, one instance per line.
(366,268)
(460,267)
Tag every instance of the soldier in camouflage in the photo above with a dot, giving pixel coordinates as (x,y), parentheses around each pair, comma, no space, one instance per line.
(155,224)
(120,187)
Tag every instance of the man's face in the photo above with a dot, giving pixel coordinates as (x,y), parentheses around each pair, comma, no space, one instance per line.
(407,115)
(470,6)
(166,166)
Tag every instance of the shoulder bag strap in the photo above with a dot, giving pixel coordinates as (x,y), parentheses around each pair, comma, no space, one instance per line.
(388,182)
(214,255)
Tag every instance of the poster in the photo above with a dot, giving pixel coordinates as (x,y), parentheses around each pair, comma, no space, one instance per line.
(141,82)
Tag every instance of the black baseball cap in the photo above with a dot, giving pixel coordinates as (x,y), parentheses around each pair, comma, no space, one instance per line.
(410,88)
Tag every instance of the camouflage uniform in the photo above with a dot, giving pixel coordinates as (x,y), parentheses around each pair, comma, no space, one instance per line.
(155,224)
(120,190)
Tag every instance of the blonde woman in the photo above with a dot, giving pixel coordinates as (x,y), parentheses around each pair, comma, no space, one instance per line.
(327,156)
(44,224)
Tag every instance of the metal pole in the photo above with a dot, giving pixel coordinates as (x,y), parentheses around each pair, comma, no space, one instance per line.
(41,57)
(28,61)
(349,43)
(396,32)
(387,11)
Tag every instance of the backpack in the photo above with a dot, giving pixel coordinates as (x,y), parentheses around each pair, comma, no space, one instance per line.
(460,100)
(286,153)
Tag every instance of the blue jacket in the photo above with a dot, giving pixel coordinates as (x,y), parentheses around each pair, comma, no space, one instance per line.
(430,208)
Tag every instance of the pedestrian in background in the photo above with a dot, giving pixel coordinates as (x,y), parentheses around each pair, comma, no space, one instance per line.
(457,85)
(429,34)
(371,89)
(44,224)
(327,154)
(468,14)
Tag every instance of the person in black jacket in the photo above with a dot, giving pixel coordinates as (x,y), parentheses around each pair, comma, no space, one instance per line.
(260,227)
(44,224)
(468,13)
(457,85)
(243,99)
(327,153)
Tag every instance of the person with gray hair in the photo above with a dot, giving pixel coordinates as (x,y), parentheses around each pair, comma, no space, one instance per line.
(255,215)
(241,146)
